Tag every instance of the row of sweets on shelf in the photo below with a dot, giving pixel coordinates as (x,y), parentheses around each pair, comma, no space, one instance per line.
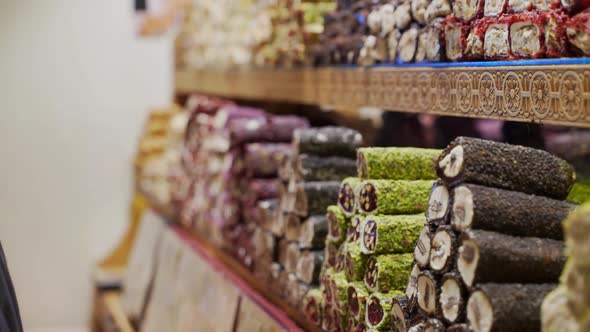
(404,31)
(262,33)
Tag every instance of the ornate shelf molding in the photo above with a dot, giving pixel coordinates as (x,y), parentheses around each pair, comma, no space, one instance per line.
(552,94)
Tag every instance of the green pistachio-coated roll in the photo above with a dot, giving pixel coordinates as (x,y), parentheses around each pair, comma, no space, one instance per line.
(358,294)
(388,272)
(339,286)
(396,163)
(382,234)
(347,196)
(354,261)
(337,224)
(394,196)
(378,313)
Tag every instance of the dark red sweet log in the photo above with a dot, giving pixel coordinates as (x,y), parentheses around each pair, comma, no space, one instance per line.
(578,31)
(507,307)
(554,24)
(455,37)
(526,36)
(264,159)
(493,257)
(282,127)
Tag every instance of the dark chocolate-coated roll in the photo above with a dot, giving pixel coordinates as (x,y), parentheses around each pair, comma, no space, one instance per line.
(314,168)
(508,212)
(505,166)
(507,307)
(327,141)
(493,257)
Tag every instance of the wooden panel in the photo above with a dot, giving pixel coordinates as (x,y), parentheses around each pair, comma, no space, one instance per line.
(553,94)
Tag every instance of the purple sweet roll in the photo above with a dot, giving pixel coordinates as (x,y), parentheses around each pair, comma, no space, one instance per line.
(282,127)
(258,189)
(264,159)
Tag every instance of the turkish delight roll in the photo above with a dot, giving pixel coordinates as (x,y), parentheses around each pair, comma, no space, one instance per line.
(526,35)
(421,45)
(314,168)
(347,196)
(554,23)
(505,166)
(397,163)
(437,9)
(403,15)
(468,10)
(496,44)
(282,127)
(357,299)
(388,272)
(392,44)
(418,8)
(493,8)
(408,44)
(578,32)
(312,305)
(327,141)
(337,224)
(394,196)
(475,39)
(378,313)
(455,37)
(435,43)
(390,234)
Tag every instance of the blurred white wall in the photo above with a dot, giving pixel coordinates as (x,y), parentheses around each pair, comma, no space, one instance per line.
(75,86)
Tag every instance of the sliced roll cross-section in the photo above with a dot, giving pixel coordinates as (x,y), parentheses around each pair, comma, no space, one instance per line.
(378,314)
(443,249)
(452,301)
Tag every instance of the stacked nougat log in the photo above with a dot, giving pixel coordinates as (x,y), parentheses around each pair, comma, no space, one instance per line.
(567,308)
(405,31)
(372,232)
(310,180)
(222,188)
(494,246)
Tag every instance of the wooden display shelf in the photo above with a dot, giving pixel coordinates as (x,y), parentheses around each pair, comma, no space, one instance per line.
(542,91)
(285,315)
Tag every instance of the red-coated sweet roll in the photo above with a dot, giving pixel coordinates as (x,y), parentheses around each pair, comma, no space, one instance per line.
(526,35)
(456,32)
(258,189)
(578,32)
(554,26)
(496,45)
(475,39)
(282,127)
